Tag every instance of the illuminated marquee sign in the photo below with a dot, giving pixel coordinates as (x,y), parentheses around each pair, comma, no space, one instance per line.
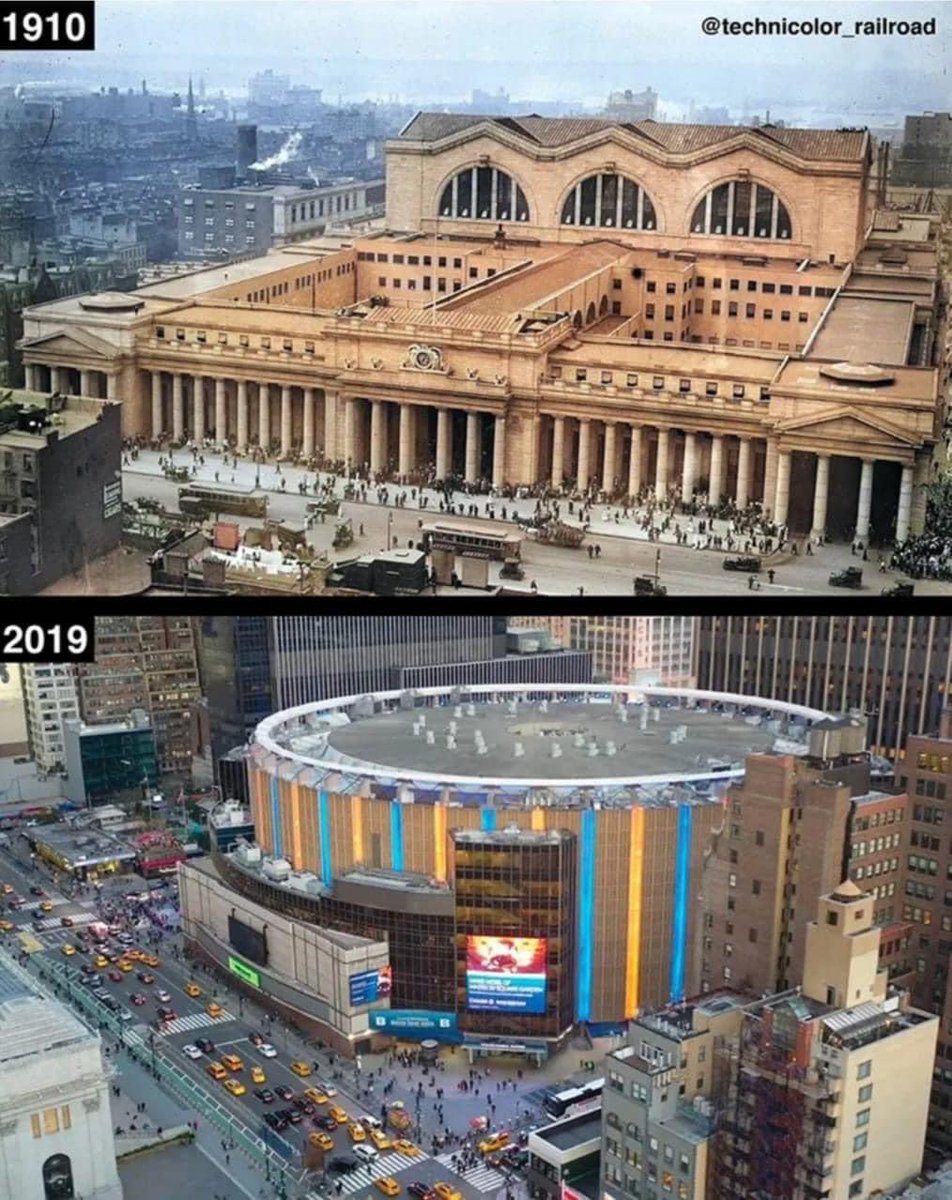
(243,971)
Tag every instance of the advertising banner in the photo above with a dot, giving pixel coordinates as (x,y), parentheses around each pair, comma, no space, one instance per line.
(369,986)
(415,1023)
(505,974)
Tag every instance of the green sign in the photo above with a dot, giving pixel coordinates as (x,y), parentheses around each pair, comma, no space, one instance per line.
(243,971)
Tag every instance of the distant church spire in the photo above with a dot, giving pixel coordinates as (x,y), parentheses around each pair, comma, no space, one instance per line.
(191,129)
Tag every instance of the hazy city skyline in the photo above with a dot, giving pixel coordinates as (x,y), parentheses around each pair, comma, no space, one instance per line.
(569,52)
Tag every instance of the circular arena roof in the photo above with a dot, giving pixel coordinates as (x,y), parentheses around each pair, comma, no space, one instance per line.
(554,738)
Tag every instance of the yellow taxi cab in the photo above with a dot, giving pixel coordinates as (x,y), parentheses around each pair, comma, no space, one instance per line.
(46,905)
(134,954)
(257,1075)
(315,1095)
(233,1062)
(151,960)
(406,1147)
(216,1070)
(192,989)
(357,1132)
(124,965)
(6,926)
(101,961)
(496,1142)
(339,1114)
(68,949)
(301,1068)
(213,1010)
(388,1185)
(380,1139)
(446,1191)
(235,1086)
(323,1141)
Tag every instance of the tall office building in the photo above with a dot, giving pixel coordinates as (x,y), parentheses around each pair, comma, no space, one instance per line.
(927,906)
(825,1090)
(149,663)
(896,670)
(787,838)
(49,699)
(628,649)
(252,666)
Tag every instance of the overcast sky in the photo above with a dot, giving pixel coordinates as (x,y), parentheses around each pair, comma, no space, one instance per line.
(572,50)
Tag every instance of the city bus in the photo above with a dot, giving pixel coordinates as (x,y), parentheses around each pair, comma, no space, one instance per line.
(208,499)
(575,1099)
(472,539)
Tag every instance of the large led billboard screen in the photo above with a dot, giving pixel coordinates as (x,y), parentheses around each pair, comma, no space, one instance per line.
(505,974)
(369,986)
(247,941)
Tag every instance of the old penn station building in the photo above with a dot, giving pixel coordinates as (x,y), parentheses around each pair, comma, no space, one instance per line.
(630,308)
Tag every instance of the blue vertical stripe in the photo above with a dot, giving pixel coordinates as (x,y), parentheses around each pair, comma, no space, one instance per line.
(276,817)
(487,819)
(324,821)
(679,923)
(396,835)
(586,916)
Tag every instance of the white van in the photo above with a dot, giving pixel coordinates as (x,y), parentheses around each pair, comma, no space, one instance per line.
(365,1153)
(368,1122)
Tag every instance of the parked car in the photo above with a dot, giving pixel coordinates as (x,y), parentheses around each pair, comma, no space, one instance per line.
(742,562)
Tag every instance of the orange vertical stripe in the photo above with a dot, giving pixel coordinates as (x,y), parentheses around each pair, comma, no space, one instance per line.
(357,827)
(538,820)
(636,867)
(439,842)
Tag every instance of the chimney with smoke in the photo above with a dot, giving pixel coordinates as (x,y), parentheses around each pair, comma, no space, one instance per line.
(247,147)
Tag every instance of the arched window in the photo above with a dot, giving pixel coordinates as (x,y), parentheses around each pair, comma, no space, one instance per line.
(610,202)
(742,209)
(484,194)
(58,1178)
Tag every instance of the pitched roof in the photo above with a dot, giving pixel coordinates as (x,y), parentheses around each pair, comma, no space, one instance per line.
(833,145)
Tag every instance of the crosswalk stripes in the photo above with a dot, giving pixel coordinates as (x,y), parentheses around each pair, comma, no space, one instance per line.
(199,1020)
(480,1177)
(386,1164)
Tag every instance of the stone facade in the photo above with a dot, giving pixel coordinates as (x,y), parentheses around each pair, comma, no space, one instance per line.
(683,310)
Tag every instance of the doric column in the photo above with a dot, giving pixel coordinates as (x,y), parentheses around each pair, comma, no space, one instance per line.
(820,494)
(264,416)
(634,463)
(770,474)
(661,467)
(30,373)
(350,432)
(499,452)
(178,408)
(905,505)
(378,435)
(608,457)
(285,419)
(221,411)
(85,383)
(689,467)
(241,435)
(558,451)
(307,439)
(156,403)
(743,474)
(716,485)
(331,439)
(57,379)
(198,408)
(864,501)
(442,443)
(782,501)
(584,453)
(405,463)
(472,447)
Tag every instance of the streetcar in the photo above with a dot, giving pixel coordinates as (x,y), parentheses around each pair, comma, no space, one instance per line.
(206,500)
(472,540)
